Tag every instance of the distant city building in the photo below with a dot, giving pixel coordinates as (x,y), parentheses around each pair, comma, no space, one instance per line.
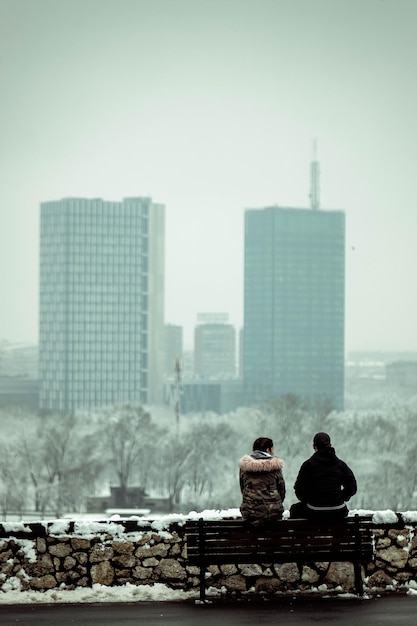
(19,360)
(294,305)
(240,353)
(214,346)
(173,347)
(101,303)
(402,374)
(214,396)
(19,391)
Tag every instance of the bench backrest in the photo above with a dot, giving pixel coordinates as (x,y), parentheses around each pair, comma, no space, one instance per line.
(230,541)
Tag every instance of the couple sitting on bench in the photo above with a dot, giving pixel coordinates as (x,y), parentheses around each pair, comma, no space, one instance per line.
(324,484)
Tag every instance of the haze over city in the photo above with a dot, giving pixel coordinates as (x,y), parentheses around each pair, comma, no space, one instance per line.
(212,107)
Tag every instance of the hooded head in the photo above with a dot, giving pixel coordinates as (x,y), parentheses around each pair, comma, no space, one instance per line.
(321,441)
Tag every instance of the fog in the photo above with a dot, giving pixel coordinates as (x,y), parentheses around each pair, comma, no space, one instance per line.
(211,107)
(50,465)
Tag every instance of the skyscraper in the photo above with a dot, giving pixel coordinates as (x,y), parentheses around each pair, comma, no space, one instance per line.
(173,347)
(214,346)
(294,304)
(101,303)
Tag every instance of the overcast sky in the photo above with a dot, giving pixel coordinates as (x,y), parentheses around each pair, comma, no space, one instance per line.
(211,107)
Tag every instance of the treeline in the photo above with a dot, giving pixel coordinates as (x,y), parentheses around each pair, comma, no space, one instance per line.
(55,462)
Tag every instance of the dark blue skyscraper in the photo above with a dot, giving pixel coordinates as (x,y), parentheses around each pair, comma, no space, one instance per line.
(294,304)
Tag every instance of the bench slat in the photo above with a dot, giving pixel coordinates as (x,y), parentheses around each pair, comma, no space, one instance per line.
(219,542)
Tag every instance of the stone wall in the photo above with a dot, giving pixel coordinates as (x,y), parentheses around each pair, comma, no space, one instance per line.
(68,555)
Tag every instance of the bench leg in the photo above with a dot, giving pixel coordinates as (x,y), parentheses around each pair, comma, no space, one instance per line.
(202,583)
(358,578)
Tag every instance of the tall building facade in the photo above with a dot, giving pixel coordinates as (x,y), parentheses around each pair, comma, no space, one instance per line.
(294,302)
(214,346)
(173,347)
(101,303)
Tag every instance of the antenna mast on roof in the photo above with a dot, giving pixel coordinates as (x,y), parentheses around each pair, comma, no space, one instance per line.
(315,180)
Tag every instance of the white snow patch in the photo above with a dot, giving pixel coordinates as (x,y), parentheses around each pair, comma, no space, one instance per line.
(27,547)
(385,517)
(412,592)
(98,593)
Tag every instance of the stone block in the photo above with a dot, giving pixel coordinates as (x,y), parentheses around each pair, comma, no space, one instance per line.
(151,562)
(5,556)
(212,570)
(102,573)
(342,574)
(123,547)
(379,579)
(175,550)
(41,545)
(402,577)
(7,569)
(309,575)
(400,537)
(170,569)
(125,560)
(60,549)
(157,550)
(81,557)
(228,570)
(142,573)
(69,563)
(44,565)
(79,543)
(396,557)
(383,542)
(267,585)
(287,572)
(252,569)
(233,583)
(101,552)
(43,582)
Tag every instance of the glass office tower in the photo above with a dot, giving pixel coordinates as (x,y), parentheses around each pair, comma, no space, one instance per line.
(101,303)
(294,304)
(214,347)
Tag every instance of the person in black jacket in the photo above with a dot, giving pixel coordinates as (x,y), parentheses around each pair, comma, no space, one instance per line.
(324,484)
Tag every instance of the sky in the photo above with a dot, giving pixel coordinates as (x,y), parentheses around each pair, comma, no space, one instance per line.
(212,107)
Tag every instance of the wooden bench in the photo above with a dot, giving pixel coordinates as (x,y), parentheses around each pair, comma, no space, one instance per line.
(219,542)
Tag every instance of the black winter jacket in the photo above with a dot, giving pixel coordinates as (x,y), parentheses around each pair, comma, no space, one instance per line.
(324,480)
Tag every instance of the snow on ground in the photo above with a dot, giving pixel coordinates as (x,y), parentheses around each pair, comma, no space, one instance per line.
(90,526)
(98,593)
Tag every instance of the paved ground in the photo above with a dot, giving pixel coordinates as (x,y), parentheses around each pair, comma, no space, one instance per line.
(393,609)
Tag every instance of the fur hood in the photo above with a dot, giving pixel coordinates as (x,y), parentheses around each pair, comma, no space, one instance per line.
(268,464)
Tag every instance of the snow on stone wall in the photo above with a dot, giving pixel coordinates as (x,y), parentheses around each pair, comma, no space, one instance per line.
(64,554)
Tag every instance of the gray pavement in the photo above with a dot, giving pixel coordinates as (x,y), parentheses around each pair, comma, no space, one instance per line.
(395,609)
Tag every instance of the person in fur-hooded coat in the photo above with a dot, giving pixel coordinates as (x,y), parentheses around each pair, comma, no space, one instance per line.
(262,484)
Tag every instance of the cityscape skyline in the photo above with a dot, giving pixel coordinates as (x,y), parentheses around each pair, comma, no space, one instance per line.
(210,130)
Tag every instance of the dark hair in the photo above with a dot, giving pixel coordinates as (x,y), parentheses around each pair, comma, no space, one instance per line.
(321,440)
(263,444)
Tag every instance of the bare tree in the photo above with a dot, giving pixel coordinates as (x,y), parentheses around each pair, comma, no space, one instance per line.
(61,462)
(13,483)
(129,436)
